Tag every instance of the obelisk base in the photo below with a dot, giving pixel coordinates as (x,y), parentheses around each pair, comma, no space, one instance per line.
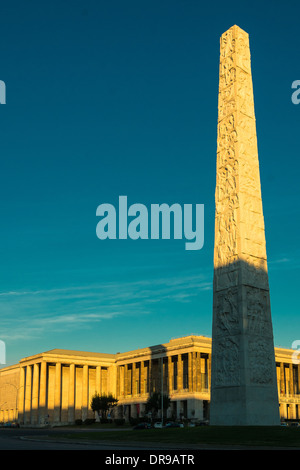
(244,406)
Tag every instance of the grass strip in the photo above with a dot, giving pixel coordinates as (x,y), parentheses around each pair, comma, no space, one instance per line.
(227,435)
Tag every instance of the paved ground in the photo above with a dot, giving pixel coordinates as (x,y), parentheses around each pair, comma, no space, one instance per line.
(31,439)
(41,439)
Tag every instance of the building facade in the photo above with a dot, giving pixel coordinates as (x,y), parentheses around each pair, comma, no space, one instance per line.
(56,387)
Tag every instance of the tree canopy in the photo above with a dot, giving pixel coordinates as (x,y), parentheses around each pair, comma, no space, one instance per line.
(153,403)
(103,403)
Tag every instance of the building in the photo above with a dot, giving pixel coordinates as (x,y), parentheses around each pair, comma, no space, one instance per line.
(56,387)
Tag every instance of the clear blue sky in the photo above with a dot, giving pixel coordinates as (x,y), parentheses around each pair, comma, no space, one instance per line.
(109,98)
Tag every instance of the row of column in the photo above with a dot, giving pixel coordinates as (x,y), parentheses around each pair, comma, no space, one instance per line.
(36,393)
(40,398)
(8,415)
(288,378)
(289,410)
(181,372)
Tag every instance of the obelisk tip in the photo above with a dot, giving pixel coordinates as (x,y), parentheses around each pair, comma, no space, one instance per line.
(236,29)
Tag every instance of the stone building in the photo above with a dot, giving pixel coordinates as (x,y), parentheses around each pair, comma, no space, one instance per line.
(56,387)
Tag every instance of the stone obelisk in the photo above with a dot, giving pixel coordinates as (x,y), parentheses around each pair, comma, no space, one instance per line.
(243,375)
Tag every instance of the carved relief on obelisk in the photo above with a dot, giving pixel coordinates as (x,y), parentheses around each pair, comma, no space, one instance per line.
(244,388)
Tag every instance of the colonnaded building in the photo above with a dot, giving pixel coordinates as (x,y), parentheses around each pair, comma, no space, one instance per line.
(55,387)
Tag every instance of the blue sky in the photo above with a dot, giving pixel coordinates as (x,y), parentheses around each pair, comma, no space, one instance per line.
(109,98)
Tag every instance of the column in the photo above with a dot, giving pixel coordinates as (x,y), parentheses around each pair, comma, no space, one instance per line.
(203,361)
(161,373)
(27,418)
(282,381)
(71,399)
(190,371)
(85,388)
(126,380)
(134,374)
(130,370)
(291,380)
(43,393)
(199,371)
(21,397)
(35,394)
(209,372)
(138,377)
(118,381)
(278,377)
(122,392)
(57,393)
(287,381)
(158,375)
(112,379)
(194,371)
(98,380)
(170,375)
(150,384)
(178,409)
(179,373)
(142,386)
(165,374)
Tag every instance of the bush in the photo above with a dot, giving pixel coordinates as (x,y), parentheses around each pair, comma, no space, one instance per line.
(104,420)
(119,422)
(89,421)
(134,421)
(78,421)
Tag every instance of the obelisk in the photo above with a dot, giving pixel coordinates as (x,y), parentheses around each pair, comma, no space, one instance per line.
(243,375)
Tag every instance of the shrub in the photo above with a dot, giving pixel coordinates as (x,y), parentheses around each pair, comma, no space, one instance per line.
(104,420)
(133,421)
(119,422)
(89,421)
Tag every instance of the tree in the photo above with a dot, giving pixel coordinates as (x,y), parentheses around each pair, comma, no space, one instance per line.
(103,403)
(153,403)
